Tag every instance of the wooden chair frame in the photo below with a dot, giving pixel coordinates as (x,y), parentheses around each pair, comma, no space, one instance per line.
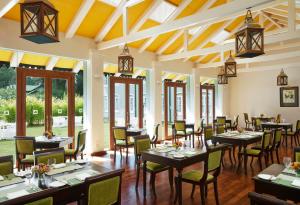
(47,152)
(8,158)
(19,163)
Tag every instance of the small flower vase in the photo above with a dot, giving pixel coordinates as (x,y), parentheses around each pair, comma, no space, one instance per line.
(42,181)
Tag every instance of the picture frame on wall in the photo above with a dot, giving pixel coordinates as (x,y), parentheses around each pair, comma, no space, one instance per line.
(289,96)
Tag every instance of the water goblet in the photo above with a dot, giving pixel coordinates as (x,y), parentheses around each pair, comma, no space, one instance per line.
(286,161)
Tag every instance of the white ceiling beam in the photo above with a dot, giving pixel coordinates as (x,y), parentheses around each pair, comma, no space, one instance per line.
(16,59)
(146,16)
(85,7)
(172,17)
(291,15)
(275,38)
(78,67)
(6,5)
(267,16)
(111,22)
(263,58)
(180,32)
(276,12)
(125,21)
(52,62)
(217,14)
(137,73)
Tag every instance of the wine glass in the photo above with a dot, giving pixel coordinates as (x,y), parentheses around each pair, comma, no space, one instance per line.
(287,161)
(28,175)
(51,161)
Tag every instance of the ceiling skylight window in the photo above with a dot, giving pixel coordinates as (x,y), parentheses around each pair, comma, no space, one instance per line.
(162,12)
(220,37)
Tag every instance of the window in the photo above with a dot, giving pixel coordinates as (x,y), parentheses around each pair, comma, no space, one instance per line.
(162,12)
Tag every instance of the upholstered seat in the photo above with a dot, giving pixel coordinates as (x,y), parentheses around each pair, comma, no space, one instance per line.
(154,166)
(70,151)
(252,151)
(28,159)
(196,176)
(121,140)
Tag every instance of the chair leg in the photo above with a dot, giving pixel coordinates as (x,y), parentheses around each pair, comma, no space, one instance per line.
(115,151)
(259,161)
(202,194)
(193,190)
(216,191)
(176,194)
(233,154)
(137,175)
(251,161)
(230,158)
(171,178)
(277,156)
(272,157)
(121,152)
(126,154)
(206,190)
(153,184)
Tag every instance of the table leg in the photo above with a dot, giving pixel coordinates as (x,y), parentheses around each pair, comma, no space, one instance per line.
(179,186)
(239,157)
(286,137)
(245,159)
(193,140)
(144,177)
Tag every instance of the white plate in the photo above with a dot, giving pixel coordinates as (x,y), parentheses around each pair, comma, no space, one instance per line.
(81,161)
(178,156)
(57,184)
(266,177)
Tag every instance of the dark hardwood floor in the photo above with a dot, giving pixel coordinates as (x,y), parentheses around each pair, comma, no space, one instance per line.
(233,186)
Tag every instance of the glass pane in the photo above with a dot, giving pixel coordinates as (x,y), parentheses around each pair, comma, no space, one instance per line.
(204,111)
(120,117)
(210,106)
(60,107)
(179,103)
(106,112)
(171,108)
(7,110)
(35,106)
(134,105)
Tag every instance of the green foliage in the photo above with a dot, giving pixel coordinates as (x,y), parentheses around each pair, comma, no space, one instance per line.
(35,111)
(8,93)
(78,106)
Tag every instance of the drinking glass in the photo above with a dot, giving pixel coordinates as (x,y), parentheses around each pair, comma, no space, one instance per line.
(51,161)
(287,161)
(28,175)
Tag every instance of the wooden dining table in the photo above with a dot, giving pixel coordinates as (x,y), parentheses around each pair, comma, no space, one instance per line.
(42,142)
(167,159)
(280,187)
(242,140)
(61,195)
(283,125)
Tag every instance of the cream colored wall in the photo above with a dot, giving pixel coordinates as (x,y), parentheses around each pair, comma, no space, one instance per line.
(257,92)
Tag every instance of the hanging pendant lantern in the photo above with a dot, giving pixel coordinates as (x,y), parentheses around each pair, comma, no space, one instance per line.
(230,67)
(125,62)
(282,79)
(39,21)
(249,40)
(222,78)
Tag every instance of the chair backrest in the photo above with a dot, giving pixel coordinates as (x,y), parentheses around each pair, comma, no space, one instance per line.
(297,154)
(212,162)
(25,145)
(119,133)
(277,137)
(141,143)
(80,146)
(208,134)
(298,126)
(257,123)
(45,201)
(44,155)
(265,142)
(6,165)
(246,117)
(220,129)
(104,189)
(236,121)
(179,126)
(155,134)
(278,118)
(221,120)
(261,199)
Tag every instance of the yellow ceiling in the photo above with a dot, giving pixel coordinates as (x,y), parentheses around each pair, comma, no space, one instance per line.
(100,13)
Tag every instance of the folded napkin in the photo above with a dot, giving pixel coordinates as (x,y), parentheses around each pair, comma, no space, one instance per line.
(1,178)
(58,166)
(17,194)
(296,182)
(82,176)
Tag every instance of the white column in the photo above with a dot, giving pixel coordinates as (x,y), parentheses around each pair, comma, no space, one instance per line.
(94,101)
(195,92)
(291,16)
(156,97)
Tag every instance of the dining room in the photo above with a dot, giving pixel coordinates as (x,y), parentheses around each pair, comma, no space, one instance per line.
(149,102)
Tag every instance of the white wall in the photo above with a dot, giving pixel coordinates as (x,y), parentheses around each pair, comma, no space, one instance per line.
(257,92)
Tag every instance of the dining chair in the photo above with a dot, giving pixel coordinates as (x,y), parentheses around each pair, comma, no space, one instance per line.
(221,120)
(79,147)
(297,154)
(103,189)
(180,130)
(278,118)
(208,134)
(43,156)
(294,135)
(247,121)
(209,174)
(257,124)
(6,165)
(155,135)
(142,143)
(235,123)
(229,147)
(258,153)
(262,199)
(199,132)
(25,146)
(46,201)
(121,140)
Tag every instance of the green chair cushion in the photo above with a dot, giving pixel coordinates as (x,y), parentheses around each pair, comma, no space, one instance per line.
(104,192)
(123,143)
(195,175)
(179,126)
(70,152)
(6,168)
(46,201)
(252,151)
(214,160)
(297,156)
(154,166)
(28,159)
(24,146)
(142,145)
(120,134)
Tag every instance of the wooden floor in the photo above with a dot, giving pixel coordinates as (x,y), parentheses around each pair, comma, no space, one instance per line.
(233,186)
